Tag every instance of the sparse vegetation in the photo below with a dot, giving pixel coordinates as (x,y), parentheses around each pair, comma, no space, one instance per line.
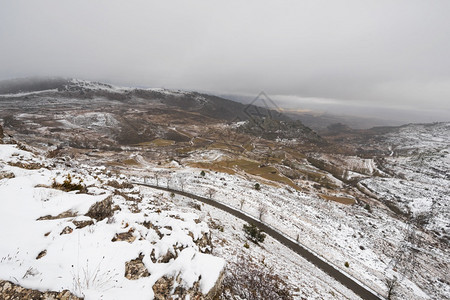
(211,192)
(92,278)
(249,279)
(392,285)
(254,234)
(262,210)
(69,185)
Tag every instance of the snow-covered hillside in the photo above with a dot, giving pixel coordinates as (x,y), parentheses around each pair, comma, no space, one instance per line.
(103,240)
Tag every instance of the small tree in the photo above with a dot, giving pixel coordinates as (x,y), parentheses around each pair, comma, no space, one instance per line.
(242,201)
(257,186)
(262,209)
(202,173)
(156,178)
(392,284)
(211,192)
(181,182)
(254,234)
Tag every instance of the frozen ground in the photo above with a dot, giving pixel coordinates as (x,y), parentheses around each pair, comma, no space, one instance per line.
(371,243)
(45,246)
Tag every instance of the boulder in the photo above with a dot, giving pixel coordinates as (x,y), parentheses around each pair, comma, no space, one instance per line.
(101,210)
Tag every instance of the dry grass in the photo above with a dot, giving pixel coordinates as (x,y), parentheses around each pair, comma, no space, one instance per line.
(126,162)
(224,146)
(200,142)
(213,167)
(248,166)
(255,168)
(130,162)
(158,143)
(343,200)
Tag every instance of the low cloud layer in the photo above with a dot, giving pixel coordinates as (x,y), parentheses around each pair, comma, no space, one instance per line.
(354,53)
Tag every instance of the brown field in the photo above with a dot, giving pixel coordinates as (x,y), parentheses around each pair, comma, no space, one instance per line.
(158,142)
(342,200)
(248,166)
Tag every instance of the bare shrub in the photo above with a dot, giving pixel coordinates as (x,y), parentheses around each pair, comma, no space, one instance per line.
(251,280)
(391,284)
(242,202)
(262,210)
(69,185)
(93,278)
(211,192)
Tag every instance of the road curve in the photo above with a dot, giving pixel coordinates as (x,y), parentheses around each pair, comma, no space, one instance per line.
(357,287)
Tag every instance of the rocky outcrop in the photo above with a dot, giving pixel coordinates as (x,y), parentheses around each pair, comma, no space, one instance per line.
(63,215)
(135,268)
(66,230)
(124,237)
(82,224)
(101,210)
(11,291)
(163,289)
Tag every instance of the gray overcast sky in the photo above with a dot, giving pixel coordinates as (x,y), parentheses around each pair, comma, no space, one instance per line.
(376,53)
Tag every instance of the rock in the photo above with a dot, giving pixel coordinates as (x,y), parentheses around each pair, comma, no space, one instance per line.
(66,230)
(149,225)
(6,174)
(101,210)
(162,288)
(162,258)
(11,291)
(124,237)
(41,254)
(63,215)
(82,224)
(135,268)
(203,243)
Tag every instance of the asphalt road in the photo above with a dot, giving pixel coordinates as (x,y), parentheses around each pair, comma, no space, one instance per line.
(358,288)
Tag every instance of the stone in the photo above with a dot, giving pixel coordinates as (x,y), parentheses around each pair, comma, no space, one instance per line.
(101,210)
(11,291)
(124,237)
(162,288)
(63,215)
(41,254)
(135,268)
(82,224)
(66,230)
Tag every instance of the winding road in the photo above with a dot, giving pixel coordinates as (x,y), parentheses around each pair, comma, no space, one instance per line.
(357,287)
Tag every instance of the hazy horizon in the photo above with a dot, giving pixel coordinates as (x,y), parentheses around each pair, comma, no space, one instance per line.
(381,59)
